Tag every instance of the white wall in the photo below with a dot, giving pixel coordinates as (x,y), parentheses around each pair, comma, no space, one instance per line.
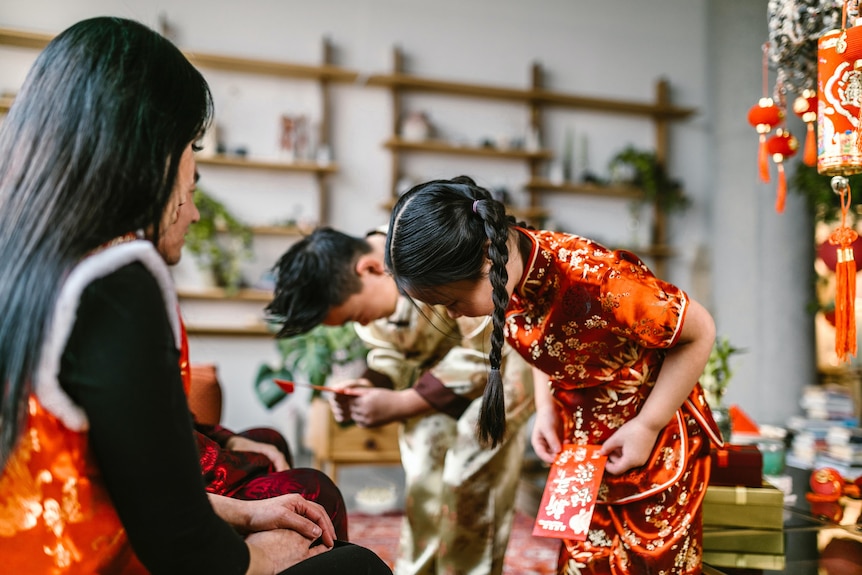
(747,264)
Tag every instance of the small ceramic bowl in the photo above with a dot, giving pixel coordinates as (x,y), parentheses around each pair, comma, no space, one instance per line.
(376,500)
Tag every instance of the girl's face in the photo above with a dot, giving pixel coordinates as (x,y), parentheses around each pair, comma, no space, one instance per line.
(471,298)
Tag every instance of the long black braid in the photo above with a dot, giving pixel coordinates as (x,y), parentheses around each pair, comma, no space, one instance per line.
(438,234)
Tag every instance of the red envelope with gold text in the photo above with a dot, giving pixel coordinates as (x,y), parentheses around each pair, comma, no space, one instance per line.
(570,493)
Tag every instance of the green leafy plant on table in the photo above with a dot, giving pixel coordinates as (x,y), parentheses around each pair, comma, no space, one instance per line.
(717,372)
(219,242)
(714,381)
(309,357)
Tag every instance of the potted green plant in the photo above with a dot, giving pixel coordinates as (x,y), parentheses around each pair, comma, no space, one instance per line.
(715,379)
(643,170)
(310,357)
(219,242)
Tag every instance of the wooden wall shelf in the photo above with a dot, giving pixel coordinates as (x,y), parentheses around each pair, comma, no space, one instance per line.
(288,231)
(326,71)
(224,331)
(262,164)
(250,295)
(443,147)
(24,39)
(271,68)
(537,98)
(410,83)
(615,191)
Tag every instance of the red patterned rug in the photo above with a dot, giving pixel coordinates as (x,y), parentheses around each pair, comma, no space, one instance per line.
(525,555)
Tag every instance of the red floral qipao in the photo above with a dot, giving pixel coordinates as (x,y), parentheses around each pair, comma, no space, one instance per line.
(599,323)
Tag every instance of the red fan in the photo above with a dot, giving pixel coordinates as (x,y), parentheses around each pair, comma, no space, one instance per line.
(290,387)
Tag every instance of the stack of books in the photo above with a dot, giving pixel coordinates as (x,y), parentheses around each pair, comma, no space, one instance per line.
(844,444)
(829,415)
(828,402)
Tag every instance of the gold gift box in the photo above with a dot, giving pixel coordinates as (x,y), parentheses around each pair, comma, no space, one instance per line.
(754,507)
(769,541)
(745,560)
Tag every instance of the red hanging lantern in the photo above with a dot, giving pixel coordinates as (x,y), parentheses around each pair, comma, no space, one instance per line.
(805,106)
(764,116)
(781,146)
(838,89)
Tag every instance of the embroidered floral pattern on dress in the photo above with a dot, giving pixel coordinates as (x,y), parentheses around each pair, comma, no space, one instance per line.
(598,322)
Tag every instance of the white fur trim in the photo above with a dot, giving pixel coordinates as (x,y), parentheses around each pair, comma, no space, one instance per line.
(46,384)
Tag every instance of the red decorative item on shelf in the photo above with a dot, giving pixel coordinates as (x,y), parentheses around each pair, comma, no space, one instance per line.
(781,146)
(734,465)
(805,106)
(826,484)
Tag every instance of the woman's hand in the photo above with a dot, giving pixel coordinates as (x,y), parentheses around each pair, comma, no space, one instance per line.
(289,511)
(239,443)
(293,512)
(275,550)
(630,446)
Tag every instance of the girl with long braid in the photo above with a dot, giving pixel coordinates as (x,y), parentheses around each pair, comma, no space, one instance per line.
(616,355)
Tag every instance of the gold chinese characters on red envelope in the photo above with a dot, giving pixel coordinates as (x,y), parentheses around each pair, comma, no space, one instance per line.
(570,493)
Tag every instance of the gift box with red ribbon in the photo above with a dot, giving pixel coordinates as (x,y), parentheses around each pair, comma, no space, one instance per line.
(734,465)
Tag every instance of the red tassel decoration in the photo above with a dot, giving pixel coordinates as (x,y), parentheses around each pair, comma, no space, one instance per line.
(781,195)
(805,106)
(845,274)
(764,116)
(809,155)
(781,146)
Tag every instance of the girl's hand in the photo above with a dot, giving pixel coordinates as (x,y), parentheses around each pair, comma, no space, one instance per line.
(546,434)
(630,446)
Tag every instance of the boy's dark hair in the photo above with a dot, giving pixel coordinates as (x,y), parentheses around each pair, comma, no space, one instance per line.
(316,274)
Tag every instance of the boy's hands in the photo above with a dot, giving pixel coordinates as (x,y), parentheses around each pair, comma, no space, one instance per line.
(341,405)
(375,406)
